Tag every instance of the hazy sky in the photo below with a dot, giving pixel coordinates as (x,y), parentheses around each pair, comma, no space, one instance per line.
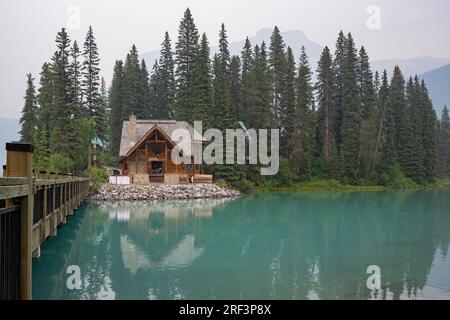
(409,28)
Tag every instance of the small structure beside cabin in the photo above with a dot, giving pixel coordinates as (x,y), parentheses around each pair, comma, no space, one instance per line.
(145,152)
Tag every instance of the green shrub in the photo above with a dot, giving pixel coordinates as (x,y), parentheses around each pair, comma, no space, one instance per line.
(98,176)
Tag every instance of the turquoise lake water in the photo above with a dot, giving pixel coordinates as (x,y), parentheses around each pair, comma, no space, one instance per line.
(265,246)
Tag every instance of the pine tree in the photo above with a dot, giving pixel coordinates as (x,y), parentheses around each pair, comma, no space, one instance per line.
(45,99)
(203,94)
(403,136)
(28,120)
(224,53)
(116,104)
(186,55)
(91,84)
(156,109)
(385,144)
(288,107)
(429,136)
(166,79)
(415,162)
(144,91)
(444,144)
(303,137)
(339,66)
(277,61)
(326,111)
(75,78)
(368,132)
(132,82)
(105,112)
(235,85)
(260,97)
(246,82)
(62,129)
(222,116)
(351,114)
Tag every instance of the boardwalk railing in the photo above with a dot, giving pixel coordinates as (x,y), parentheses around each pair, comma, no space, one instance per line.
(30,211)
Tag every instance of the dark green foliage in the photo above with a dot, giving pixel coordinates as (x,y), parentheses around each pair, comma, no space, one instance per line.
(277,62)
(326,114)
(301,143)
(260,94)
(115,105)
(203,94)
(91,85)
(28,121)
(166,80)
(246,82)
(444,144)
(186,55)
(351,112)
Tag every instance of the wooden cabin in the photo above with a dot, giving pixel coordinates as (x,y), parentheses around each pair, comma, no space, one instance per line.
(145,152)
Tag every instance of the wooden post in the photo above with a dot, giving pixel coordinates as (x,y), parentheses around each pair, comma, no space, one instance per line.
(19,163)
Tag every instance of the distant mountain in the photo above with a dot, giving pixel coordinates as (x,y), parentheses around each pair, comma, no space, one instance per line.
(294,39)
(410,67)
(9,132)
(438,83)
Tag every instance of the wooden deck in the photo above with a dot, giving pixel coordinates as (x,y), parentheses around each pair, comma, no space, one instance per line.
(30,211)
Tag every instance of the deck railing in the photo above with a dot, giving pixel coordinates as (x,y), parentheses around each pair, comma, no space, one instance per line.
(30,211)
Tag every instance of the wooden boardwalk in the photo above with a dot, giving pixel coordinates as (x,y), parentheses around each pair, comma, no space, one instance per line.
(31,209)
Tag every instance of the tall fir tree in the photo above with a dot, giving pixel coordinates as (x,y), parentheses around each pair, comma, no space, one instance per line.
(28,120)
(91,84)
(186,55)
(304,128)
(288,107)
(224,53)
(116,104)
(351,113)
(326,115)
(222,116)
(385,154)
(62,128)
(246,81)
(132,78)
(203,94)
(368,128)
(156,110)
(339,66)
(260,99)
(166,79)
(277,61)
(235,85)
(45,99)
(144,90)
(443,163)
(403,133)
(429,135)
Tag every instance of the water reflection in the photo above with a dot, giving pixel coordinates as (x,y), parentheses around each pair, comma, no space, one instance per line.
(282,246)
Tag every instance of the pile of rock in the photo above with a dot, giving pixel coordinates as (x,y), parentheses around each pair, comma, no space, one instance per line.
(111,192)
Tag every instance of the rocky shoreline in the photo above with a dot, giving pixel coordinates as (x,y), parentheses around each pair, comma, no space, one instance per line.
(112,192)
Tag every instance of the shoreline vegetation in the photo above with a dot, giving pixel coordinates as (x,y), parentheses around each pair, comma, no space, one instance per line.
(323,185)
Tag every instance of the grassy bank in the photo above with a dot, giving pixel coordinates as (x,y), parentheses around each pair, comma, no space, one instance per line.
(317,185)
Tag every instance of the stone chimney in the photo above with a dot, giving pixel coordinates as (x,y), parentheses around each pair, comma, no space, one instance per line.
(132,129)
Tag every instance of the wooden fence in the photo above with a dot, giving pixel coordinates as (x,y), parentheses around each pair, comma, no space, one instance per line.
(30,211)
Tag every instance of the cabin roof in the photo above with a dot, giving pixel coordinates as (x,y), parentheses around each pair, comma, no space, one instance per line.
(167,126)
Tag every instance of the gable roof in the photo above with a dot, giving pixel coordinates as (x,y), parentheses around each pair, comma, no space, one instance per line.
(143,127)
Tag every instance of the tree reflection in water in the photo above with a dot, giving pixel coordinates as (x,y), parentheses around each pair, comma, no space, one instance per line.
(267,246)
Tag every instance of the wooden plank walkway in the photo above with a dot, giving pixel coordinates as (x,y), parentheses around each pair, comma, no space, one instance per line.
(32,208)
